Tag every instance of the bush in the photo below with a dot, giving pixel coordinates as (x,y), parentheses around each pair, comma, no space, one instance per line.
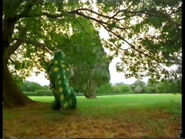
(139,87)
(79,94)
(122,89)
(32,86)
(104,89)
(44,93)
(30,93)
(39,93)
(107,89)
(151,89)
(167,86)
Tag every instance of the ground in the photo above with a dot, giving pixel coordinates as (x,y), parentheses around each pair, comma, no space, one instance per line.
(146,115)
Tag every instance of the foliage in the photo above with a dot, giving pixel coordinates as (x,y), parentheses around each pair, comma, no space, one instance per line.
(166,86)
(86,57)
(151,88)
(34,30)
(122,89)
(108,89)
(28,86)
(44,93)
(18,80)
(139,87)
(153,28)
(39,93)
(30,93)
(104,89)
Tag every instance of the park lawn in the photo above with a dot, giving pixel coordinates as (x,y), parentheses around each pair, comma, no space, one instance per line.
(133,115)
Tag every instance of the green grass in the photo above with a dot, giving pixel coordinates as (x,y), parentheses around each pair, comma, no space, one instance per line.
(135,115)
(110,105)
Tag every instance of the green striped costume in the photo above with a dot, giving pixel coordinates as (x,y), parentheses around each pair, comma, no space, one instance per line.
(63,93)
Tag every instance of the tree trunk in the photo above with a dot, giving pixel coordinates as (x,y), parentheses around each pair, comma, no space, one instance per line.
(90,95)
(90,91)
(12,95)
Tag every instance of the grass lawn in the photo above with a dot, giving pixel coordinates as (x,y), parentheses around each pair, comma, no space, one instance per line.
(141,115)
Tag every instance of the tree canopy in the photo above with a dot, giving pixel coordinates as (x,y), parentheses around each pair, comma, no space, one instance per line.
(85,56)
(150,29)
(145,34)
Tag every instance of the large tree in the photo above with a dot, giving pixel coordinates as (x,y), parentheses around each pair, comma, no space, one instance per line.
(146,35)
(86,57)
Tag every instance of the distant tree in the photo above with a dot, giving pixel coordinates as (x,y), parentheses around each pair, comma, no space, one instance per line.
(45,87)
(168,86)
(138,89)
(165,86)
(151,86)
(28,86)
(86,57)
(105,89)
(122,89)
(139,86)
(118,84)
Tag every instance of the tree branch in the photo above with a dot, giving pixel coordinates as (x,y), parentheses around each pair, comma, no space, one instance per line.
(11,49)
(80,25)
(94,19)
(132,46)
(41,45)
(119,11)
(102,15)
(41,14)
(109,30)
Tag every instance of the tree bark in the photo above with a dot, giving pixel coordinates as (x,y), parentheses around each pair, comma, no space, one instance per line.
(90,91)
(12,95)
(90,95)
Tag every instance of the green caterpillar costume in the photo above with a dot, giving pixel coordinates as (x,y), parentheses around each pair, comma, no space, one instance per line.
(63,93)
